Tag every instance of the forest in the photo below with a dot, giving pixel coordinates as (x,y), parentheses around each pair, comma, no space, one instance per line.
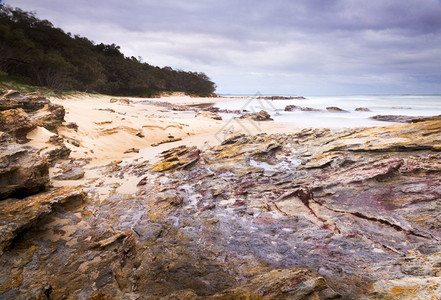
(35,52)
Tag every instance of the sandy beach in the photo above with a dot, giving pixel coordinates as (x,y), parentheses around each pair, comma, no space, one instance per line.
(106,130)
(120,129)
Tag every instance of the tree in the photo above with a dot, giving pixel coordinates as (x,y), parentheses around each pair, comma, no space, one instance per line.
(37,52)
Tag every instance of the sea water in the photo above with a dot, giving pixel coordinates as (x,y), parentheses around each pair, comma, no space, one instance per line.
(407,105)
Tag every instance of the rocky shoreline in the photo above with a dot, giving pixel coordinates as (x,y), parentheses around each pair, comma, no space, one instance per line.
(315,214)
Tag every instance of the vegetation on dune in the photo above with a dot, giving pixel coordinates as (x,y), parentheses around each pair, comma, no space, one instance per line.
(34,52)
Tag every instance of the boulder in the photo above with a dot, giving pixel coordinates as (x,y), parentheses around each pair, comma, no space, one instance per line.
(335,109)
(22,171)
(16,123)
(257,116)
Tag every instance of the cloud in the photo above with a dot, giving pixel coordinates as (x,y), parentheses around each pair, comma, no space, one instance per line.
(282,46)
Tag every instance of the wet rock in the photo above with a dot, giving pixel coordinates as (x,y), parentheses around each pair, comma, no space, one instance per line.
(207,114)
(217,110)
(335,109)
(22,171)
(394,118)
(16,123)
(281,98)
(362,109)
(314,214)
(257,116)
(18,215)
(300,108)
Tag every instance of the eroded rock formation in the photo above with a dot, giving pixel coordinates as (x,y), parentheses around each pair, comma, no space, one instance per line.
(318,214)
(22,171)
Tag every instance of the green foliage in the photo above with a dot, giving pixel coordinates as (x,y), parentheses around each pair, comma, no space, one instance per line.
(39,54)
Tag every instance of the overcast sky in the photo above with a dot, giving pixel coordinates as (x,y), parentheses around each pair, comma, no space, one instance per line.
(301,47)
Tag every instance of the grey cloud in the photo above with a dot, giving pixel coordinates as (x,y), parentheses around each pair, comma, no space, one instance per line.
(346,43)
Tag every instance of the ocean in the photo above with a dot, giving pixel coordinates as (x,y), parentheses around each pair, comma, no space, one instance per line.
(406,105)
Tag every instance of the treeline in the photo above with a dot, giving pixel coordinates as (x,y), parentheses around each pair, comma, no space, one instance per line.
(35,52)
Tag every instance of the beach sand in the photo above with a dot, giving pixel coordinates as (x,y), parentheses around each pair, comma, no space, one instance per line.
(110,132)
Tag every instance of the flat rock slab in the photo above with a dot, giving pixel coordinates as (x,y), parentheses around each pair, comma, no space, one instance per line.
(17,215)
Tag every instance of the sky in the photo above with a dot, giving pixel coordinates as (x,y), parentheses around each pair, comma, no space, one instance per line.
(296,47)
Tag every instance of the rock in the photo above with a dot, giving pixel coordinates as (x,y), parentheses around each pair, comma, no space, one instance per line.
(140,135)
(38,109)
(235,139)
(29,103)
(61,152)
(177,158)
(395,118)
(73,142)
(207,114)
(295,108)
(106,242)
(258,116)
(73,173)
(335,109)
(50,118)
(295,283)
(170,140)
(362,109)
(22,171)
(406,288)
(72,125)
(16,122)
(123,101)
(41,292)
(18,215)
(281,98)
(358,209)
(5,138)
(132,150)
